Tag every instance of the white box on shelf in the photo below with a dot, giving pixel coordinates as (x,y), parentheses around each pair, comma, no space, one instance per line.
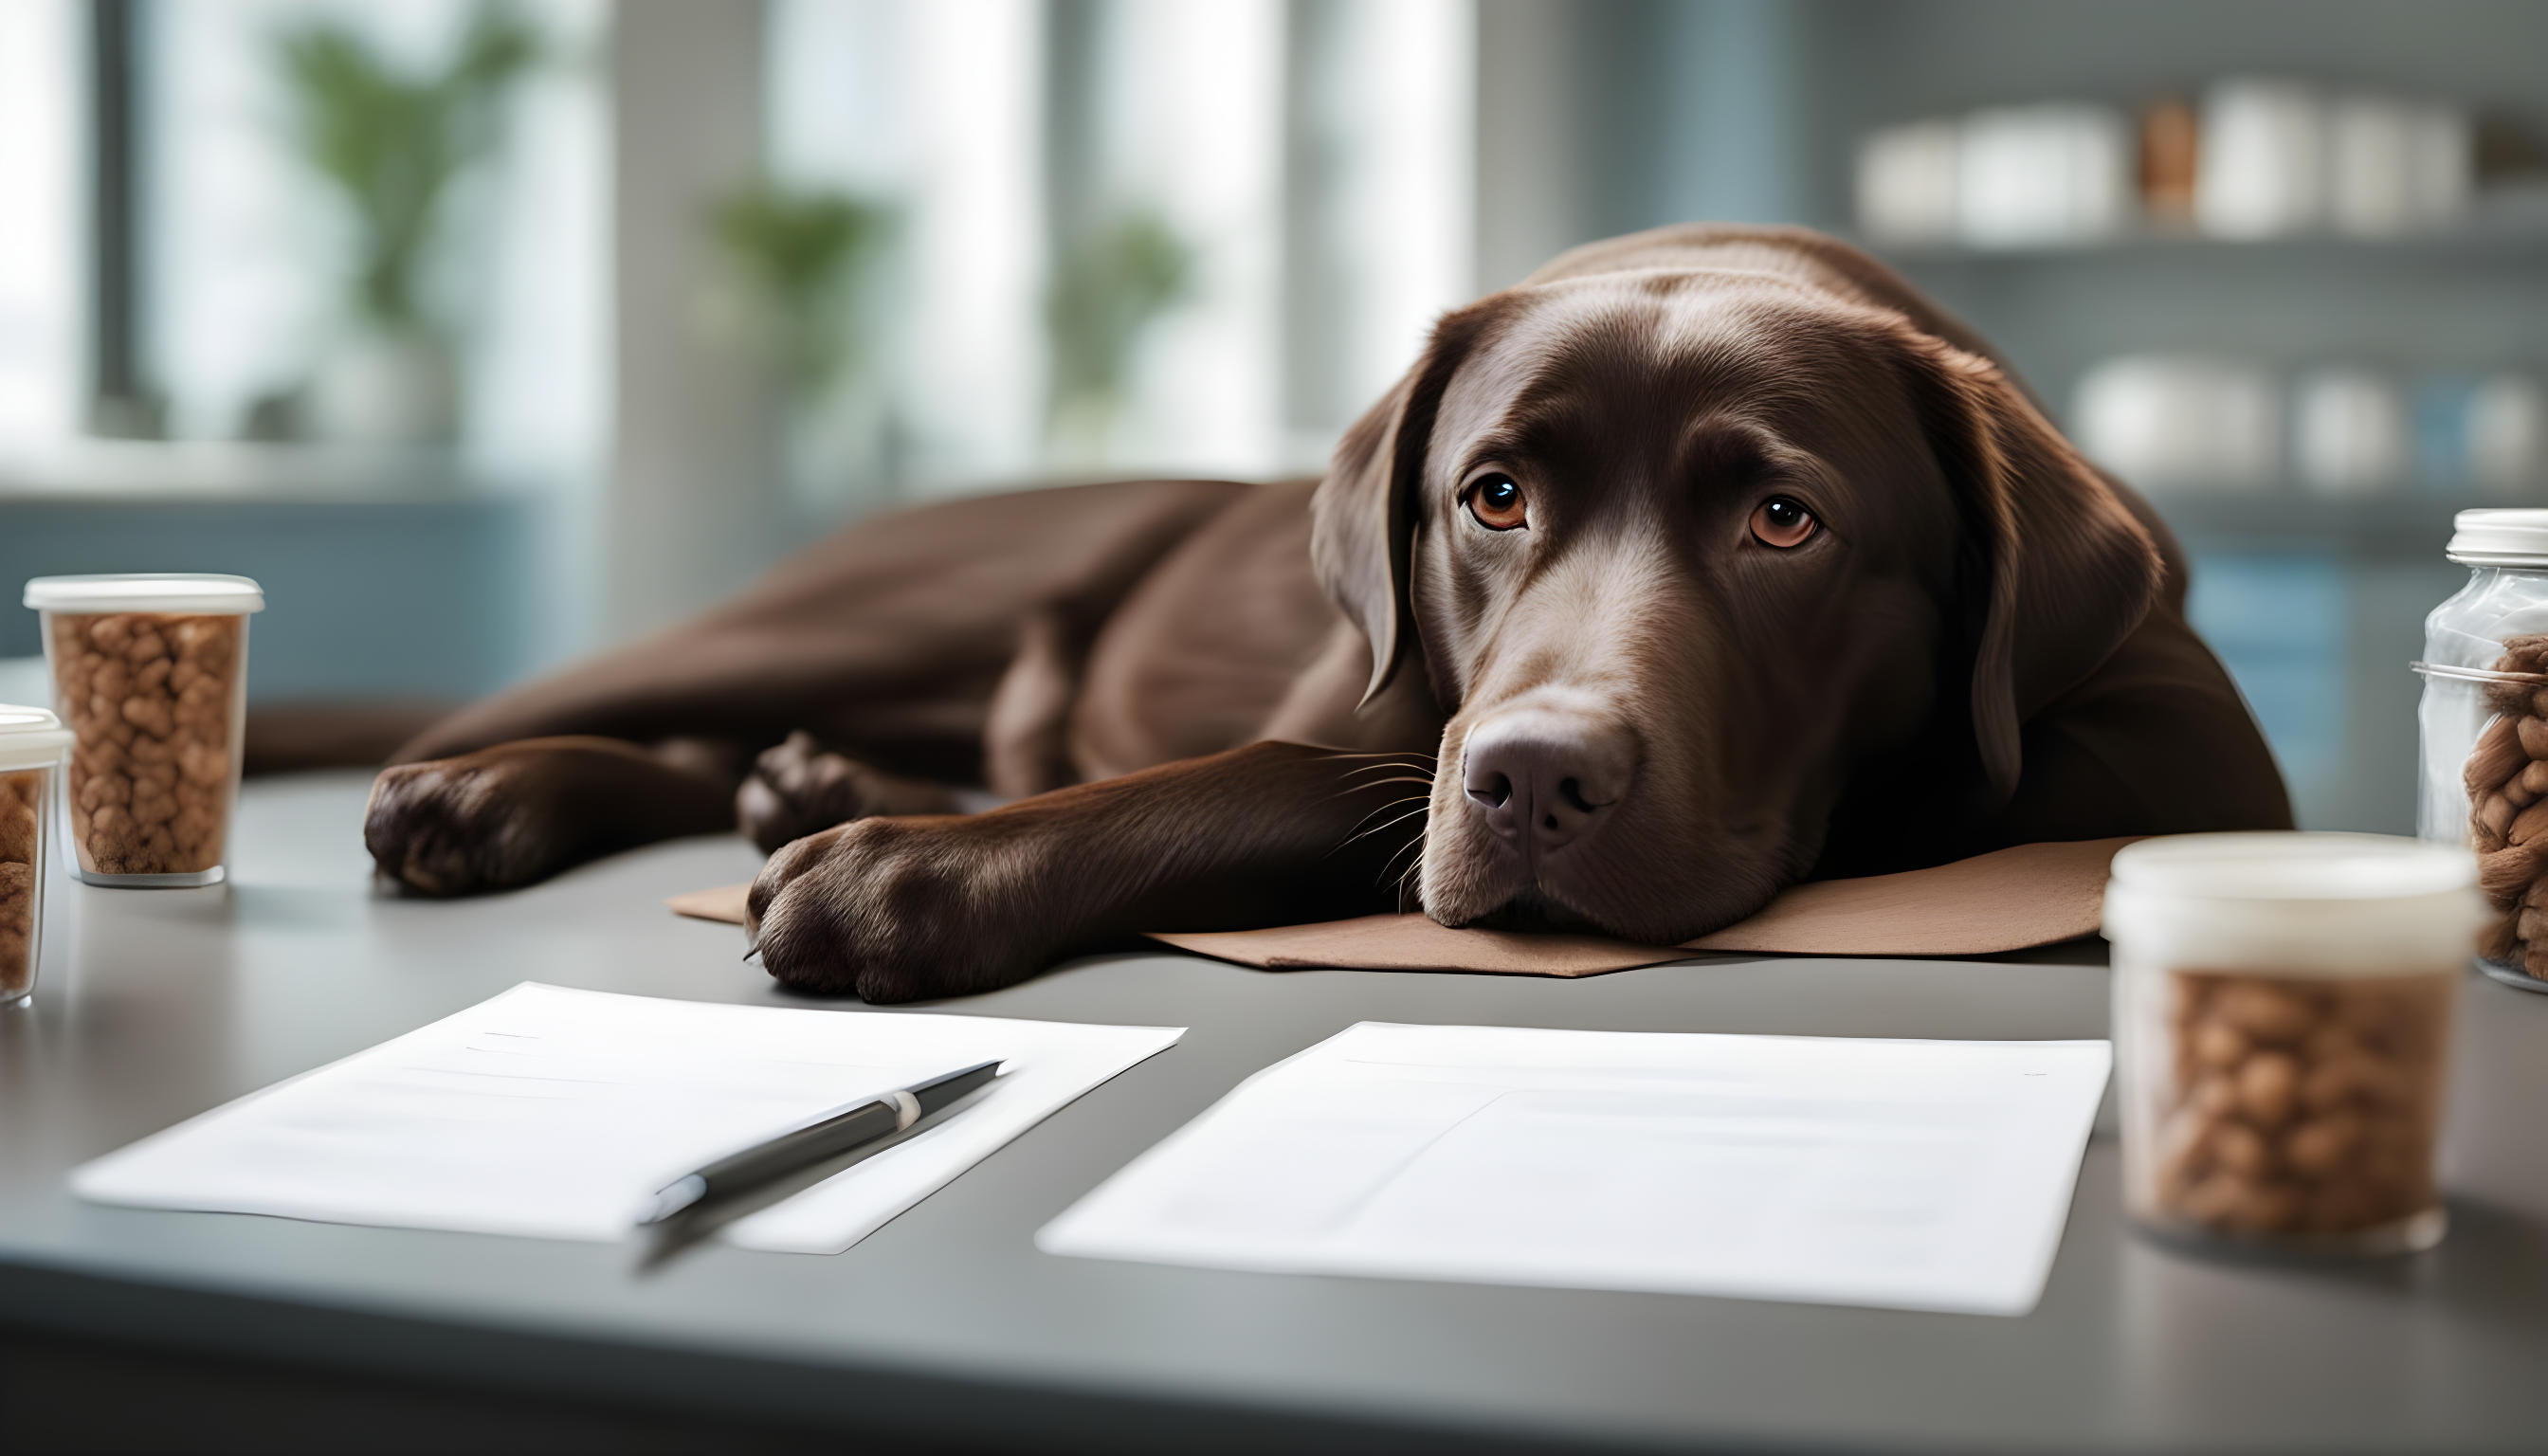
(2396,167)
(2187,420)
(2349,432)
(1906,182)
(2262,165)
(2034,175)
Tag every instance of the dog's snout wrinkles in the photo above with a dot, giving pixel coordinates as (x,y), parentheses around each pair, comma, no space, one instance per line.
(1543,778)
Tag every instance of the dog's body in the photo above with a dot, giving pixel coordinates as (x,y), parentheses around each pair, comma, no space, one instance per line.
(1708,560)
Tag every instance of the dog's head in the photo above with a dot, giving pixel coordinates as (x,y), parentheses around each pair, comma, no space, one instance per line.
(1683,551)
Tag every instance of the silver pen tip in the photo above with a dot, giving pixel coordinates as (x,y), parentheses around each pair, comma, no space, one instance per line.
(677,1197)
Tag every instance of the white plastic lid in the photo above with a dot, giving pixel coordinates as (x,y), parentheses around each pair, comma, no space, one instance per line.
(146,591)
(30,738)
(2296,904)
(2499,537)
(2294,866)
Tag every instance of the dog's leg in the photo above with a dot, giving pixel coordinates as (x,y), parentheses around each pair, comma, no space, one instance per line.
(889,638)
(799,788)
(1271,834)
(520,812)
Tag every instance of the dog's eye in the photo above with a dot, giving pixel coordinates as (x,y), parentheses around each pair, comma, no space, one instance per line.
(1497,504)
(1782,523)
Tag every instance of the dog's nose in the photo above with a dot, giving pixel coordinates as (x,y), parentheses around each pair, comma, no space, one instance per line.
(1553,776)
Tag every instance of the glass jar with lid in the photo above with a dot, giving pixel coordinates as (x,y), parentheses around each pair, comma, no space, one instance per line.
(2483,727)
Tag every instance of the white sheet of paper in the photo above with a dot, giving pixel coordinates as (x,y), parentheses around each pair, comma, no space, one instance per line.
(558,1113)
(1925,1175)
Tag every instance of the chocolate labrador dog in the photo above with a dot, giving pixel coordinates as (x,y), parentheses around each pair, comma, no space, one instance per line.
(1703,561)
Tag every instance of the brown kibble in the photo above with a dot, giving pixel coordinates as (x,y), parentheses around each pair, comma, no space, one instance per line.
(2496,756)
(2300,1104)
(2214,1097)
(2505,874)
(2268,1086)
(2533,733)
(2332,1083)
(153,716)
(2321,1146)
(2500,940)
(2218,1044)
(2243,1149)
(21,833)
(150,697)
(109,633)
(2243,1205)
(2264,1011)
(2495,815)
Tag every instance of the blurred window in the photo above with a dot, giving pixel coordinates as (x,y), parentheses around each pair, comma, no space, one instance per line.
(42,286)
(1135,234)
(249,254)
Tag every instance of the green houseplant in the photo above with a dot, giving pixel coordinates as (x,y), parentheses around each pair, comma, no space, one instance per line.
(1110,284)
(802,266)
(389,144)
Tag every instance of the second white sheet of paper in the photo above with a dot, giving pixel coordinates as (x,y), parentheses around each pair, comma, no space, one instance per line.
(1925,1175)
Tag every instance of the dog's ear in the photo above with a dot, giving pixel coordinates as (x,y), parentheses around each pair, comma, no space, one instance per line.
(1362,521)
(2058,572)
(1362,529)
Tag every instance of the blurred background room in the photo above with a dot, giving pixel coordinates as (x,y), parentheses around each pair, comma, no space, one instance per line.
(485,335)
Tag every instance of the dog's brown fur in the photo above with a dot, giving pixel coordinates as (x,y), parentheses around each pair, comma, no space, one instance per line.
(1648,719)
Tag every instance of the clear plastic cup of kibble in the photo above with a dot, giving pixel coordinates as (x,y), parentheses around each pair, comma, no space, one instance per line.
(150,676)
(32,745)
(2282,1035)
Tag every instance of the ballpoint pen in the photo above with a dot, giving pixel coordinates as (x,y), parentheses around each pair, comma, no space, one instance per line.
(793,1151)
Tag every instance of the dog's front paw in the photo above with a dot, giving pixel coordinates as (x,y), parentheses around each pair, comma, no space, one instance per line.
(895,910)
(519,812)
(483,820)
(799,788)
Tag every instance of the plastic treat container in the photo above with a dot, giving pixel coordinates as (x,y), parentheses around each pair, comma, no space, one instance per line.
(32,745)
(2282,1026)
(151,674)
(2483,777)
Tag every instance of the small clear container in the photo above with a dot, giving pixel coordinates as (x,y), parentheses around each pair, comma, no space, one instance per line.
(2282,1035)
(151,674)
(32,745)
(2482,770)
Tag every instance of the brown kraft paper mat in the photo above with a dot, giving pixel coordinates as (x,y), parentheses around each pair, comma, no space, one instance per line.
(2012,899)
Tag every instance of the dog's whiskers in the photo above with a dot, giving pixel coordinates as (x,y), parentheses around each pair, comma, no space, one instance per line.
(1396,803)
(1418,769)
(1377,828)
(1412,866)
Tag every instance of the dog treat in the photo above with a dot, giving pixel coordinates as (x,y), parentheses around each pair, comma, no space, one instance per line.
(2301,1106)
(151,698)
(22,798)
(2507,777)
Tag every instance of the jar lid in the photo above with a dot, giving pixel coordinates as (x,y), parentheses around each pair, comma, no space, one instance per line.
(30,738)
(2499,536)
(154,591)
(2294,866)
